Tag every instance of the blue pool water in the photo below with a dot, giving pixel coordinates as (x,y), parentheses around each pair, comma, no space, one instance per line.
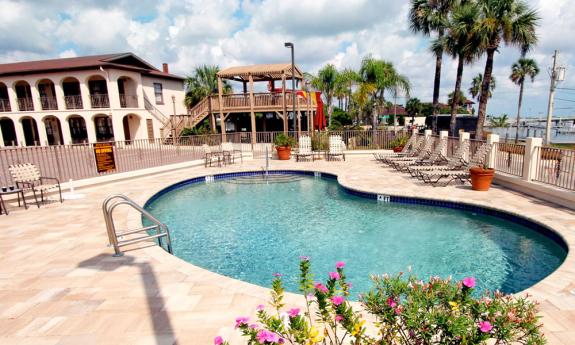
(250,231)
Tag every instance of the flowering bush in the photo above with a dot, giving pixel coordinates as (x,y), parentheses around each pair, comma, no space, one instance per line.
(402,310)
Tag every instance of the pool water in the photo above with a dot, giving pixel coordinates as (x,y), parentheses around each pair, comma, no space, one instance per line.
(250,231)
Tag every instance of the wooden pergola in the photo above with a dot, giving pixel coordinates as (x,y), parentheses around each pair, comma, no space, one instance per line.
(258,73)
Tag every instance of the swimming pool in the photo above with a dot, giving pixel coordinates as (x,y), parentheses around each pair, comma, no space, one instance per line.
(249,231)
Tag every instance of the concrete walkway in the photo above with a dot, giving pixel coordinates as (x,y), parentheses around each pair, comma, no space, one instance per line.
(59,283)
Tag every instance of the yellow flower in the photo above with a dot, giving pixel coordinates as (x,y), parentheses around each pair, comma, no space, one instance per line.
(454,306)
(315,336)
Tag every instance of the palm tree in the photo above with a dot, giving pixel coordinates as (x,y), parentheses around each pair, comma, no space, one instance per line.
(413,107)
(499,122)
(475,88)
(502,21)
(523,68)
(458,100)
(346,80)
(379,76)
(427,16)
(458,42)
(326,82)
(203,83)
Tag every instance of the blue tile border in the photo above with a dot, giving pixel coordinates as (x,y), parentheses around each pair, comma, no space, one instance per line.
(481,210)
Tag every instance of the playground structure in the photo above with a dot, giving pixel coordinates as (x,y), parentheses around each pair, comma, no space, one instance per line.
(274,106)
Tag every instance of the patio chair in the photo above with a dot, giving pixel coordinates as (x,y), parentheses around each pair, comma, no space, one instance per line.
(407,150)
(211,156)
(422,146)
(229,150)
(455,162)
(27,177)
(435,176)
(336,147)
(304,149)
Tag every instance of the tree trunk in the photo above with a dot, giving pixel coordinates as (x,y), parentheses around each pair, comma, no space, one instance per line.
(374,119)
(519,111)
(437,83)
(455,100)
(329,111)
(484,95)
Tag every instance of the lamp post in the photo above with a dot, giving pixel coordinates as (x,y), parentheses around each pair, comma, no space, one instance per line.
(290,45)
(173,118)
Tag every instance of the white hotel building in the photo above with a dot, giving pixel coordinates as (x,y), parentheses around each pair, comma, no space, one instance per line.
(87,99)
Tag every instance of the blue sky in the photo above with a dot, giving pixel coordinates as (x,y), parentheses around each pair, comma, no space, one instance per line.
(231,32)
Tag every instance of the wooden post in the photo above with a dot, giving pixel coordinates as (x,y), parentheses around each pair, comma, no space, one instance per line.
(212,117)
(222,117)
(245,87)
(252,113)
(284,102)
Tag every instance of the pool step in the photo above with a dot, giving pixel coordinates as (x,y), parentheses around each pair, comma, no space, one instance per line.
(263,179)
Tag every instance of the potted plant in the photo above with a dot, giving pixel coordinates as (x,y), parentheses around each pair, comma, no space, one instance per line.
(481,177)
(399,143)
(283,144)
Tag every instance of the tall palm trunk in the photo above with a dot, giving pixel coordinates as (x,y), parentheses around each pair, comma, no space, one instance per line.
(455,100)
(329,111)
(484,95)
(519,110)
(437,82)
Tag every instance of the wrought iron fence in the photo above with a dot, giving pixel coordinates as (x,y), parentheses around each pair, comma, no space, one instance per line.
(555,167)
(509,158)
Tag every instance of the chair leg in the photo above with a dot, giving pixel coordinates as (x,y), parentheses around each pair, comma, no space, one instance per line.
(60,191)
(35,197)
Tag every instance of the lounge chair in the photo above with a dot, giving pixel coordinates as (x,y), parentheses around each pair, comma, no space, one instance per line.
(436,156)
(304,149)
(456,161)
(434,177)
(229,151)
(425,153)
(408,148)
(336,146)
(27,176)
(422,150)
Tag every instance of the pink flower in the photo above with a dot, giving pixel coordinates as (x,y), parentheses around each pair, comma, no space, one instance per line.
(469,282)
(320,287)
(340,264)
(337,300)
(398,309)
(293,312)
(485,326)
(304,258)
(334,275)
(338,318)
(218,340)
(260,307)
(241,320)
(391,302)
(254,326)
(264,336)
(277,275)
(349,285)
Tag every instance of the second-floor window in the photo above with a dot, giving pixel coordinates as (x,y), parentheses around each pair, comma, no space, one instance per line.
(158,93)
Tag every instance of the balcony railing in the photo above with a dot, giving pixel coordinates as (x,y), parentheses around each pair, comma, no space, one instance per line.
(73,102)
(49,103)
(100,101)
(5,105)
(128,101)
(25,104)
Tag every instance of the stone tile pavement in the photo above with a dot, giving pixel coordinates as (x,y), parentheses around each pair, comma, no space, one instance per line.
(59,283)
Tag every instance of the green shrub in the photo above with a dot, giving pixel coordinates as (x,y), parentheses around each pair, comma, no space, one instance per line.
(283,140)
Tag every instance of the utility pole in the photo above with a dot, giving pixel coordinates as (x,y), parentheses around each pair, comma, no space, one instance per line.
(551,99)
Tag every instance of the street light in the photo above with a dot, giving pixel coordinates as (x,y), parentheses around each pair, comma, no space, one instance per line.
(290,45)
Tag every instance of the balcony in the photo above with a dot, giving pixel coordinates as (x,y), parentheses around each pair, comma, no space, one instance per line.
(128,101)
(100,101)
(5,105)
(73,102)
(25,104)
(48,103)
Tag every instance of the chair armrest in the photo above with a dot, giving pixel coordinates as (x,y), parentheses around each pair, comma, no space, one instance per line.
(42,178)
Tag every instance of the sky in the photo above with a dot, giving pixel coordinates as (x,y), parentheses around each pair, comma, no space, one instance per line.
(189,33)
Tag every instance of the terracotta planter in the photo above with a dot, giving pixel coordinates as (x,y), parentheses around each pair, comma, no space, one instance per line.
(398,149)
(481,178)
(284,152)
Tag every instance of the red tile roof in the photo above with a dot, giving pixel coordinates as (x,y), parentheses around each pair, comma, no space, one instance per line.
(126,61)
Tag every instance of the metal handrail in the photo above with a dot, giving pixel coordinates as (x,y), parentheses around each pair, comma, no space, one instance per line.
(108,207)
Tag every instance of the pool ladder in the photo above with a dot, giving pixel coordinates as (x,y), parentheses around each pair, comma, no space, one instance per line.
(157,230)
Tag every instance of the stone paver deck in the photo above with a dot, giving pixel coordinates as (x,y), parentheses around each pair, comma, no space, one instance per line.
(59,283)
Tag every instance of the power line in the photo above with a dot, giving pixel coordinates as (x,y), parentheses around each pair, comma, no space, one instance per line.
(565,100)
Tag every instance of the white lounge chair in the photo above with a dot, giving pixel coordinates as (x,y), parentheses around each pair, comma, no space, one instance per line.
(436,156)
(455,162)
(407,150)
(304,149)
(336,147)
(27,176)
